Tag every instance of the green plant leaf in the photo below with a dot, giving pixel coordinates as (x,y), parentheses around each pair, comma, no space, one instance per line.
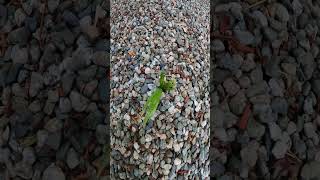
(154,100)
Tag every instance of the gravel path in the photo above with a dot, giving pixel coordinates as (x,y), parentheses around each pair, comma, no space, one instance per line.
(266,109)
(145,37)
(53,87)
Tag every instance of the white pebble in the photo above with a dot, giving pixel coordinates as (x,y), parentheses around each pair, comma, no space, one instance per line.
(176,147)
(148,138)
(126,117)
(177,161)
(136,145)
(147,70)
(135,155)
(172,110)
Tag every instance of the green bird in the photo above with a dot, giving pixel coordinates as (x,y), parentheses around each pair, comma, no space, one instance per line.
(154,100)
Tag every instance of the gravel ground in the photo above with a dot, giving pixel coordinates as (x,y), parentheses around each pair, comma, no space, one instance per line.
(145,37)
(266,76)
(53,88)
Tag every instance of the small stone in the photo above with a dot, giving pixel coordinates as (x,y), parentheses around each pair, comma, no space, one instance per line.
(275,131)
(90,88)
(79,102)
(100,58)
(280,12)
(292,127)
(217,45)
(260,18)
(248,64)
(297,7)
(147,70)
(80,59)
(54,125)
(65,105)
(256,89)
(103,95)
(308,105)
(86,27)
(48,107)
(67,82)
(19,16)
(135,155)
(280,105)
(52,5)
(245,37)
(276,88)
(148,138)
(310,130)
(19,36)
(13,73)
(176,147)
(31,24)
(166,169)
(42,136)
(244,82)
(231,87)
(230,63)
(70,18)
(36,84)
(255,129)
(310,170)
(19,55)
(53,140)
(270,34)
(94,118)
(177,161)
(28,155)
(53,172)
(238,103)
(23,75)
(221,134)
(102,132)
(249,156)
(279,149)
(72,158)
(256,75)
(23,170)
(289,68)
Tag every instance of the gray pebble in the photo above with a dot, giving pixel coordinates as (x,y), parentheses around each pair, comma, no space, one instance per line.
(72,158)
(248,64)
(53,172)
(19,36)
(310,170)
(19,54)
(65,105)
(260,18)
(52,5)
(245,37)
(280,105)
(79,102)
(28,155)
(54,125)
(36,83)
(281,12)
(276,87)
(217,45)
(275,131)
(35,106)
(231,86)
(238,103)
(279,149)
(255,129)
